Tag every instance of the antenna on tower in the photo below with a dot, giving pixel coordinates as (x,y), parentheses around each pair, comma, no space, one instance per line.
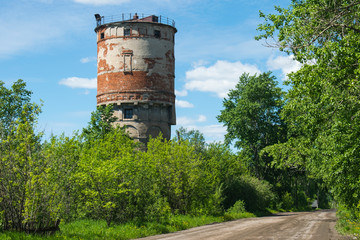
(98,19)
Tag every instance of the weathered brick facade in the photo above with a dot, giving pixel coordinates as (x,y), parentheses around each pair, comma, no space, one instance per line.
(136,73)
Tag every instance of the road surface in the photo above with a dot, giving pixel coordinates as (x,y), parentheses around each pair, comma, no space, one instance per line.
(319,225)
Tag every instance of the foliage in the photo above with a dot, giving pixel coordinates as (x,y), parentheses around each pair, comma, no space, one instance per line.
(238,207)
(179,176)
(306,27)
(225,167)
(256,194)
(348,221)
(13,102)
(62,155)
(287,201)
(98,229)
(101,122)
(103,176)
(27,195)
(322,110)
(251,115)
(194,137)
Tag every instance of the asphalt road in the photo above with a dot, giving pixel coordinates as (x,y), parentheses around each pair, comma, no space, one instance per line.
(319,225)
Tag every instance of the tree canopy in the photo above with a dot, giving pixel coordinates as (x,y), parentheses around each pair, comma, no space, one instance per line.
(322,108)
(252,117)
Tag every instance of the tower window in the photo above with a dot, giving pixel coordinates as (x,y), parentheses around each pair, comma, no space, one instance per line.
(155,18)
(126,31)
(102,35)
(128,113)
(127,63)
(157,34)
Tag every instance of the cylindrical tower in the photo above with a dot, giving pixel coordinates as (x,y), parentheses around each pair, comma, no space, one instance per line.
(136,64)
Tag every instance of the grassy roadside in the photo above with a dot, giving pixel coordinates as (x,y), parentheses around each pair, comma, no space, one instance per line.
(347,224)
(97,229)
(91,229)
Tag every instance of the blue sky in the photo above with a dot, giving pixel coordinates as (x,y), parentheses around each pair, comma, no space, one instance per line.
(51,44)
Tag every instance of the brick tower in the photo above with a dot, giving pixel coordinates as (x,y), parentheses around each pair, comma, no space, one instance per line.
(135,56)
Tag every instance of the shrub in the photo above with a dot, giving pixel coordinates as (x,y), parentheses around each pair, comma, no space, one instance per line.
(256,194)
(287,201)
(239,207)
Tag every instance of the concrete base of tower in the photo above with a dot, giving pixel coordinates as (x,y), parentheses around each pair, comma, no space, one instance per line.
(142,131)
(143,120)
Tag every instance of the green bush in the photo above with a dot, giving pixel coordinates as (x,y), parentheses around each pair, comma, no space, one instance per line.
(239,207)
(287,201)
(256,194)
(349,221)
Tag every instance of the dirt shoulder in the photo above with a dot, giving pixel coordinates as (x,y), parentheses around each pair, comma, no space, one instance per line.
(319,225)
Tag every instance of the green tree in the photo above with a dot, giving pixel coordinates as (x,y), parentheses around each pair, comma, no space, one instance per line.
(179,175)
(27,196)
(225,168)
(61,154)
(19,175)
(194,137)
(104,175)
(322,108)
(252,117)
(12,103)
(101,122)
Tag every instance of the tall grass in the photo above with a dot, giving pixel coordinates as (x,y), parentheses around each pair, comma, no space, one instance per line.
(348,223)
(98,229)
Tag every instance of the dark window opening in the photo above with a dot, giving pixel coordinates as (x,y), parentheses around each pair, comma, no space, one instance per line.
(157,34)
(155,18)
(128,113)
(102,35)
(126,31)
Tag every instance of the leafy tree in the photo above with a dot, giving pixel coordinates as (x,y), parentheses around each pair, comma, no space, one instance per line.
(101,122)
(12,104)
(27,197)
(251,115)
(225,167)
(323,108)
(19,175)
(308,26)
(62,154)
(103,177)
(179,175)
(194,137)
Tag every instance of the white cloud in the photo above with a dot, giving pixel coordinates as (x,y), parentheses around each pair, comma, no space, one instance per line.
(76,82)
(183,104)
(88,59)
(36,33)
(186,121)
(182,93)
(86,92)
(218,78)
(286,64)
(102,2)
(37,26)
(201,118)
(199,63)
(215,132)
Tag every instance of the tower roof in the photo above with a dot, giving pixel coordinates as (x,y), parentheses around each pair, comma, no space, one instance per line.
(128,17)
